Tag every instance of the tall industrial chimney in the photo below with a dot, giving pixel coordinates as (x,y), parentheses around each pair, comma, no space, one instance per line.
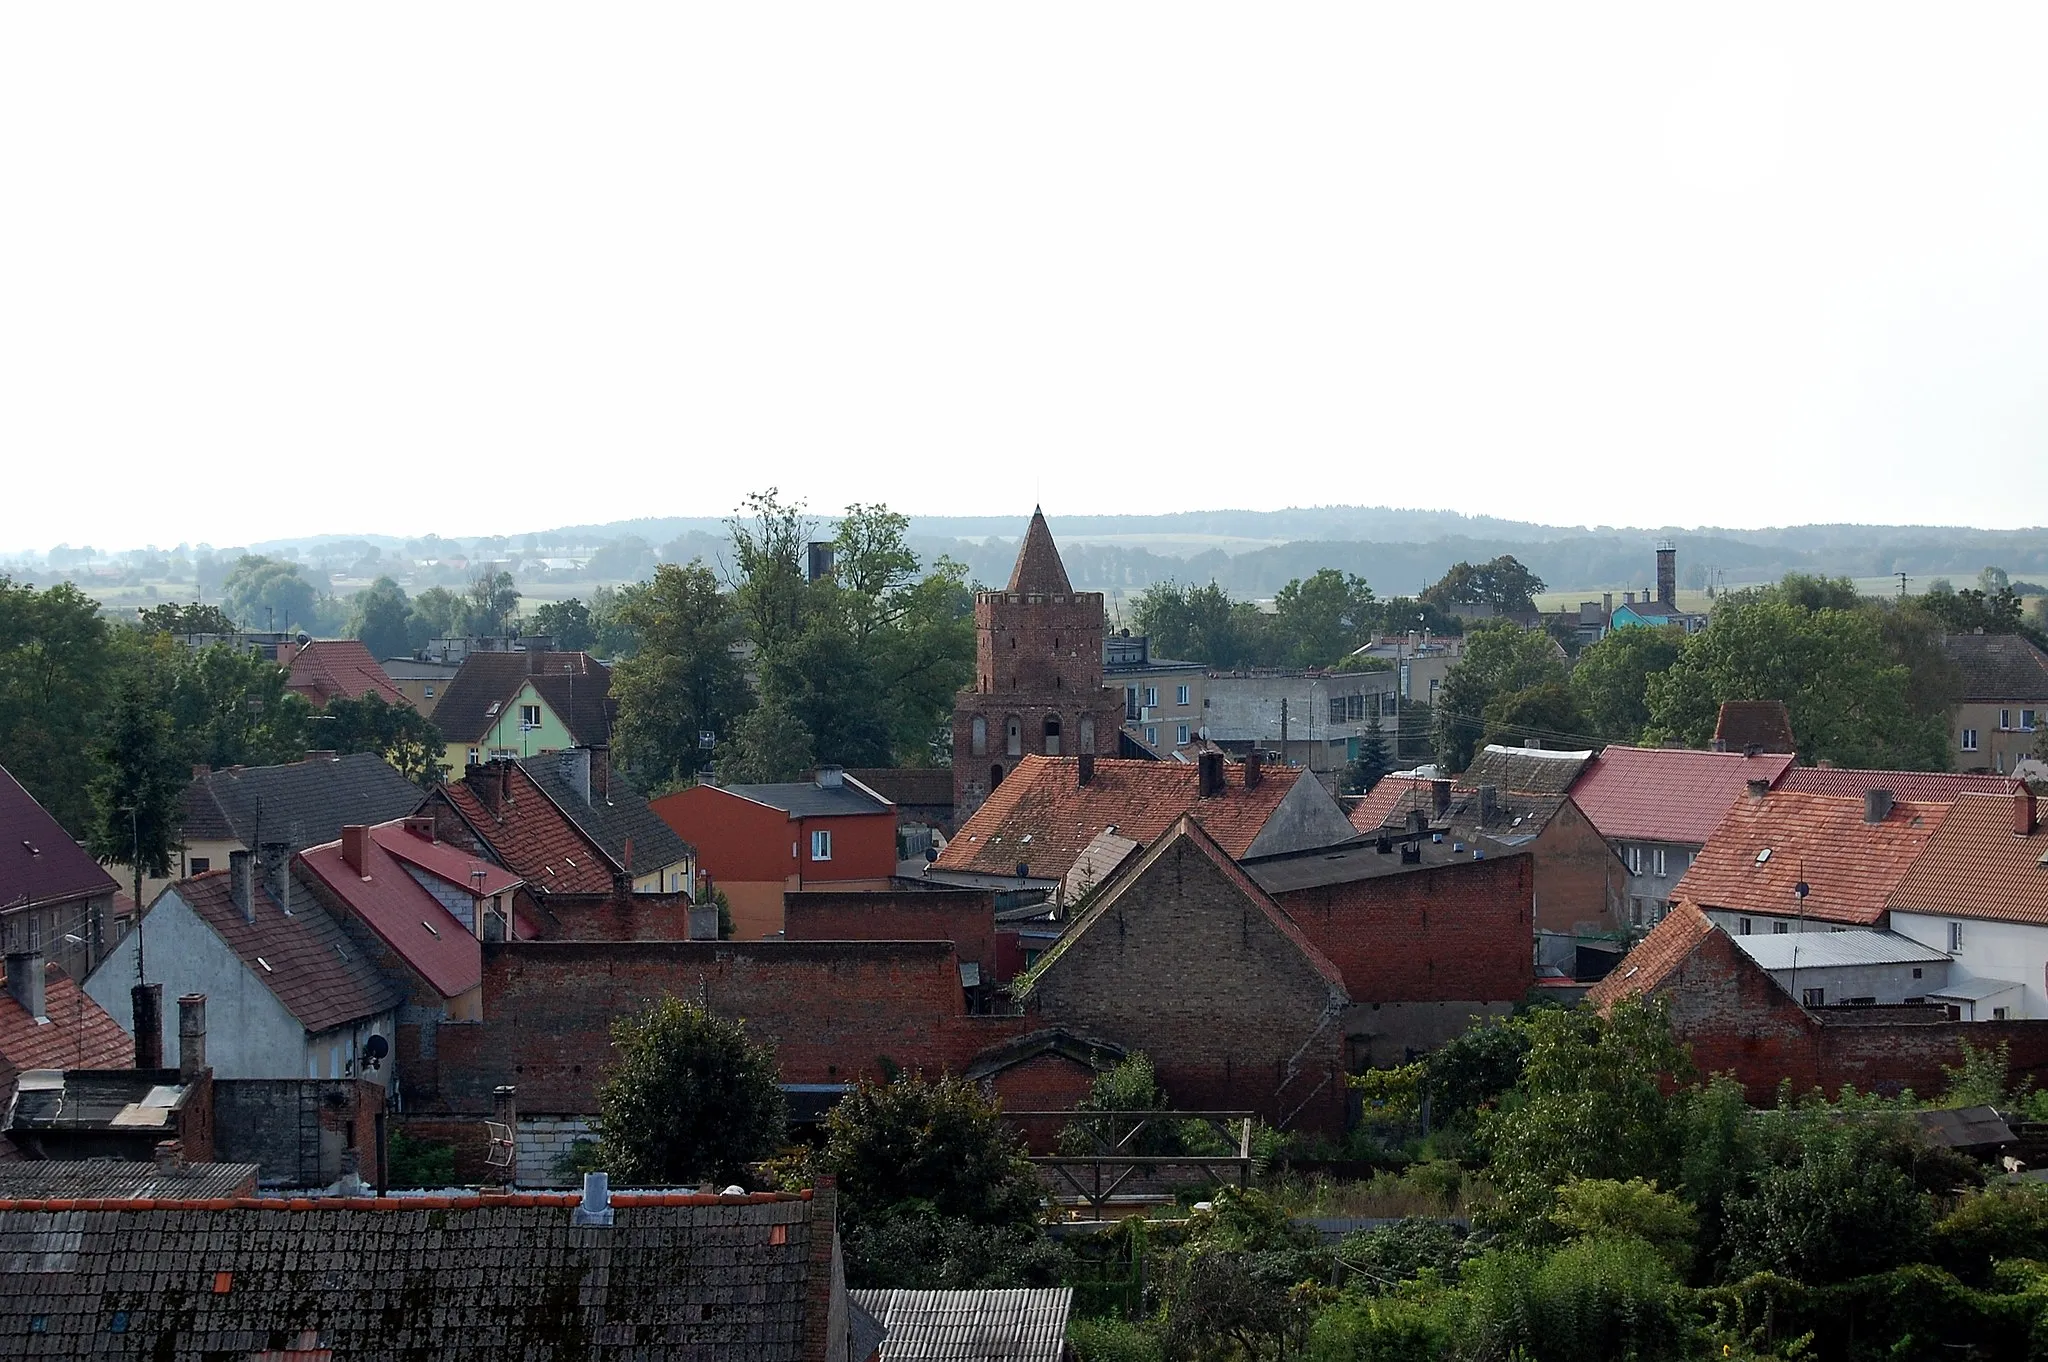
(1667,575)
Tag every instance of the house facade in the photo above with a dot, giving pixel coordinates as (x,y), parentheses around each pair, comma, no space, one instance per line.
(1311,719)
(54,899)
(1978,893)
(1164,701)
(512,705)
(2003,701)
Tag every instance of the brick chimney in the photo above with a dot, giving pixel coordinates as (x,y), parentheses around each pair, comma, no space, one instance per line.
(170,1157)
(241,884)
(1209,774)
(2023,812)
(1084,768)
(1667,575)
(1254,769)
(25,981)
(191,1037)
(276,861)
(600,773)
(147,1002)
(355,844)
(1439,797)
(1759,788)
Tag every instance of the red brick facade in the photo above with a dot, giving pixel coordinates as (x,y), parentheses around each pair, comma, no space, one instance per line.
(1581,885)
(965,917)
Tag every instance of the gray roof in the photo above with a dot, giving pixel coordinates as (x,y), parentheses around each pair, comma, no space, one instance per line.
(305,803)
(1963,1127)
(141,1100)
(1973,990)
(619,816)
(1819,950)
(459,1279)
(805,799)
(971,1326)
(1352,861)
(1525,770)
(1998,667)
(108,1178)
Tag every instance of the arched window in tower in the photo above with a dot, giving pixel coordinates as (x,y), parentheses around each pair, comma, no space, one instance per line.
(978,736)
(1052,735)
(995,775)
(1013,737)
(1087,736)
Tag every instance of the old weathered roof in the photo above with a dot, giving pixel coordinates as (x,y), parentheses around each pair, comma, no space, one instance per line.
(1998,667)
(444,862)
(576,686)
(302,957)
(1388,802)
(303,804)
(1017,1325)
(1919,786)
(1765,725)
(1802,950)
(1524,770)
(454,1278)
(1667,794)
(1043,816)
(1655,958)
(39,862)
(138,1100)
(619,820)
(922,786)
(1362,860)
(326,668)
(1976,865)
(808,799)
(1039,569)
(1850,866)
(1053,1040)
(39,1179)
(401,911)
(79,1034)
(529,834)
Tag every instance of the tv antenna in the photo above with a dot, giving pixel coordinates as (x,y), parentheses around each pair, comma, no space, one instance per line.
(498,1154)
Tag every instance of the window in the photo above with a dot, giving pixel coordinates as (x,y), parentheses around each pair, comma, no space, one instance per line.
(430,690)
(1182,697)
(821,845)
(1635,911)
(1635,860)
(977,736)
(2027,720)
(1955,936)
(995,775)
(1432,690)
(200,865)
(1151,696)
(1743,926)
(1780,928)
(2004,720)
(1998,1014)
(1151,737)
(1658,856)
(472,756)
(529,716)
(1131,703)
(1181,735)
(1052,735)
(1969,740)
(1814,997)
(1347,708)
(1013,737)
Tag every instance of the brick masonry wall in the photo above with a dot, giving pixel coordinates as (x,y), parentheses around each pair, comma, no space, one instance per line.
(1581,885)
(834,1011)
(1182,965)
(632,917)
(543,1142)
(965,917)
(1451,933)
(1035,656)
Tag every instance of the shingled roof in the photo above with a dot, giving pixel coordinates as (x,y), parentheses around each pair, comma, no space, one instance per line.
(39,861)
(1042,815)
(527,832)
(1039,569)
(1011,1325)
(1655,958)
(1764,847)
(1525,770)
(400,910)
(1977,864)
(302,804)
(1938,787)
(454,1278)
(576,686)
(77,1033)
(302,957)
(330,668)
(1997,667)
(1667,794)
(618,819)
(1387,803)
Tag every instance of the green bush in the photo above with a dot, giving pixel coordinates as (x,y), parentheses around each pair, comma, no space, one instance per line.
(2003,1223)
(1842,1205)
(1385,1257)
(914,1248)
(411,1162)
(1114,1340)
(1601,1208)
(1383,1329)
(1597,1298)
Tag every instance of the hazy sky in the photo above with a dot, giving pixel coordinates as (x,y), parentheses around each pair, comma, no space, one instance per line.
(276,268)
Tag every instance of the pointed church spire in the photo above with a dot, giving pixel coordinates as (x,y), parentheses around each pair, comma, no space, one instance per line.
(1039,569)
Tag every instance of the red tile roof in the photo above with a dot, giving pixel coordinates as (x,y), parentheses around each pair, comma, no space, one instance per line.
(1038,568)
(331,667)
(78,1033)
(1922,786)
(1043,816)
(397,908)
(1667,794)
(450,864)
(531,836)
(302,957)
(1851,867)
(1655,957)
(39,862)
(1977,865)
(1389,801)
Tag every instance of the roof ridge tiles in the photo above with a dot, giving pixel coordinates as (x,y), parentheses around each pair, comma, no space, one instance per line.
(427,1202)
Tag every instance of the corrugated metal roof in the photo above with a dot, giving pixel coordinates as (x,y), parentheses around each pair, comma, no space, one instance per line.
(1973,990)
(971,1326)
(1817,950)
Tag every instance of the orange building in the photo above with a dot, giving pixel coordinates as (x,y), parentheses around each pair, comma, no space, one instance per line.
(757,841)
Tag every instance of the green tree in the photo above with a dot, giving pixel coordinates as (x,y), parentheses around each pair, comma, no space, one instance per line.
(1498,660)
(493,601)
(269,594)
(1374,759)
(568,623)
(1325,617)
(400,734)
(57,667)
(683,679)
(687,1096)
(138,784)
(769,582)
(1839,1202)
(378,616)
(608,607)
(232,708)
(437,612)
(173,617)
(1607,1208)
(1847,695)
(1203,624)
(1503,584)
(1993,580)
(768,744)
(1547,714)
(1611,680)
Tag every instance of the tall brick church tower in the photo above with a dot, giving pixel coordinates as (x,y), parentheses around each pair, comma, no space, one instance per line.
(1037,675)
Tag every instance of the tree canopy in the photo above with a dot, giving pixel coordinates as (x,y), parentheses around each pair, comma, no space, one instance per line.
(688,1096)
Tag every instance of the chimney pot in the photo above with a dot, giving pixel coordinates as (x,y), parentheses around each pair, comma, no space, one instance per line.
(25,981)
(1084,768)
(596,1206)
(147,1004)
(1209,774)
(191,1036)
(170,1156)
(1759,788)
(1876,804)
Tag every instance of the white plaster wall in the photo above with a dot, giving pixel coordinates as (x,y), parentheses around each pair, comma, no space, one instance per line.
(1991,950)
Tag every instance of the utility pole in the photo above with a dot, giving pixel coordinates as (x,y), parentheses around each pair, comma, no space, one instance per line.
(135,859)
(1902,584)
(1283,730)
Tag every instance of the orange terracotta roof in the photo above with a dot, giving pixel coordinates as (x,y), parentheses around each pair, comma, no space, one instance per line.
(1921,786)
(1655,957)
(1389,802)
(1667,794)
(1044,817)
(1850,867)
(79,1034)
(1977,865)
(529,834)
(331,667)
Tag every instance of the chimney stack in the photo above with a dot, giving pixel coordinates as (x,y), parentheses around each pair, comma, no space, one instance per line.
(1667,575)
(170,1157)
(831,777)
(1209,774)
(191,1037)
(1489,804)
(1254,768)
(241,884)
(1439,797)
(1759,788)
(2023,811)
(355,839)
(276,860)
(25,981)
(420,826)
(1084,768)
(600,773)
(1876,804)
(1606,603)
(147,1001)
